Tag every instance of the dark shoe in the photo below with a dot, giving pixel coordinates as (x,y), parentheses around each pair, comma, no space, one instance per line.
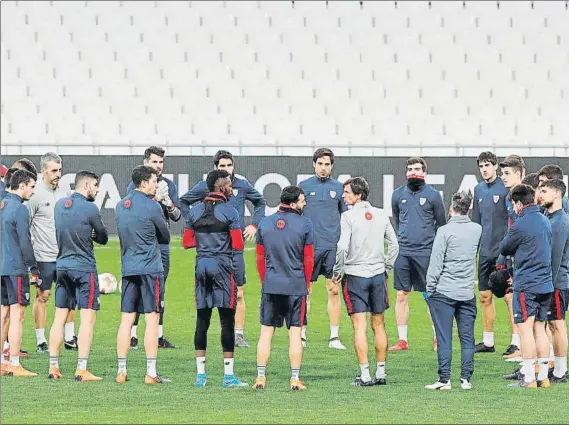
(550,372)
(72,344)
(358,382)
(164,343)
(134,343)
(511,350)
(481,348)
(556,380)
(516,375)
(240,341)
(42,348)
(379,381)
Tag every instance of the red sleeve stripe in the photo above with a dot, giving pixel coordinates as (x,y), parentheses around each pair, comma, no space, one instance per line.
(189,239)
(237,242)
(261,262)
(308,262)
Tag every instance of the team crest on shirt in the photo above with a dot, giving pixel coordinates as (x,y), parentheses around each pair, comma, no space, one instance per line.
(332,194)
(422,201)
(312,193)
(479,200)
(235,192)
(496,198)
(368,215)
(68,203)
(281,223)
(404,201)
(2,205)
(127,203)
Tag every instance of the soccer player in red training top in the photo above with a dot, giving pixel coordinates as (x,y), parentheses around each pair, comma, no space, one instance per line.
(18,261)
(285,259)
(213,228)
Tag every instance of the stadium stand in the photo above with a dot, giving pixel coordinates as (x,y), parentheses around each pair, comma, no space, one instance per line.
(280,78)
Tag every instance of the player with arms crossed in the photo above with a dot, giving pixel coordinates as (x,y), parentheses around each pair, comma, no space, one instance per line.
(49,190)
(360,255)
(285,259)
(418,211)
(324,205)
(77,224)
(489,210)
(142,229)
(167,197)
(551,193)
(214,229)
(242,191)
(17,262)
(529,241)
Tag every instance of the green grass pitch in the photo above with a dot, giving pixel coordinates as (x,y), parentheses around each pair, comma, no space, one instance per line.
(326,372)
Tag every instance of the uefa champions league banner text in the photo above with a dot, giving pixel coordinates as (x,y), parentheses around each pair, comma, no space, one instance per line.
(270,174)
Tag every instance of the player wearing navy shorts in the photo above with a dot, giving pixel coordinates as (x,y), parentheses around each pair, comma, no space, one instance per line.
(77,224)
(285,261)
(418,211)
(141,228)
(213,228)
(18,261)
(242,191)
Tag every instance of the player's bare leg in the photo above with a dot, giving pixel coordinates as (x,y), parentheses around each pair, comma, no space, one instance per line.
(380,339)
(263,355)
(542,350)
(123,344)
(559,333)
(55,342)
(334,312)
(549,334)
(488,319)
(359,323)
(151,348)
(295,356)
(39,312)
(88,318)
(513,352)
(70,338)
(303,332)
(15,330)
(402,319)
(5,317)
(529,353)
(240,319)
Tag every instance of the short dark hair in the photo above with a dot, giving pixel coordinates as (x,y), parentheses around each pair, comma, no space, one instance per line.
(522,193)
(290,195)
(8,175)
(531,179)
(551,171)
(322,152)
(26,164)
(219,155)
(154,150)
(487,157)
(513,163)
(359,186)
(518,158)
(556,184)
(213,176)
(82,175)
(417,160)
(461,202)
(142,173)
(19,177)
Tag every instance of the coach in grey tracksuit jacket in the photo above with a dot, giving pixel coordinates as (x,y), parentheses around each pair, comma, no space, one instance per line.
(450,285)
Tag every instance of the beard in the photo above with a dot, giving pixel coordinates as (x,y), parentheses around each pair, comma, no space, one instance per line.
(547,204)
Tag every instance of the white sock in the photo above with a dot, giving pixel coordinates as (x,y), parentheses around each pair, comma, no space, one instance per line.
(200,363)
(82,363)
(133,332)
(122,365)
(402,331)
(228,366)
(528,370)
(380,372)
(261,371)
(543,368)
(239,331)
(488,339)
(364,369)
(151,367)
(303,332)
(334,331)
(6,345)
(516,340)
(15,360)
(295,373)
(434,332)
(160,331)
(560,368)
(551,352)
(54,362)
(69,331)
(40,336)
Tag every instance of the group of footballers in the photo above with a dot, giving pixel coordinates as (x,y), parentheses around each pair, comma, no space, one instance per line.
(322,227)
